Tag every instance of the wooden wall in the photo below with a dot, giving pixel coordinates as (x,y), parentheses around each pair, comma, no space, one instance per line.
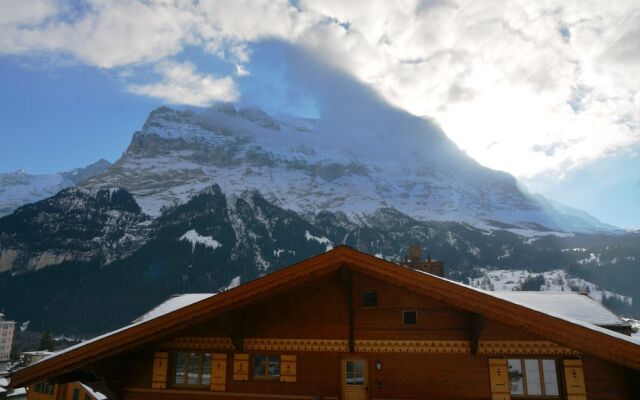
(319,310)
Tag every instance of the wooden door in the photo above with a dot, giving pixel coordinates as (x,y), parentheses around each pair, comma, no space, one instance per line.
(355,380)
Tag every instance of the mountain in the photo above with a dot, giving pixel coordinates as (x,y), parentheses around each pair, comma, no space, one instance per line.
(204,198)
(216,239)
(305,165)
(19,188)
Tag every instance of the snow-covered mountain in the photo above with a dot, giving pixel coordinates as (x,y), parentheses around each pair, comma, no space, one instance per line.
(20,188)
(352,165)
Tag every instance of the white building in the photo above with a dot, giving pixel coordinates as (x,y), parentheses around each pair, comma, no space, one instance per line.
(6,337)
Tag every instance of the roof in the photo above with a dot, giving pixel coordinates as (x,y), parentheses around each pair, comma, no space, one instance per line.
(96,395)
(567,304)
(174,303)
(561,329)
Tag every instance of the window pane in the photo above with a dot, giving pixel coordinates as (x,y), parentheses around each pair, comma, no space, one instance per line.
(259,365)
(550,378)
(274,366)
(180,362)
(206,369)
(194,368)
(351,378)
(359,373)
(532,369)
(410,317)
(515,377)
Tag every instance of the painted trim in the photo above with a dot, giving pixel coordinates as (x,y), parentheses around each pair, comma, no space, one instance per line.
(493,347)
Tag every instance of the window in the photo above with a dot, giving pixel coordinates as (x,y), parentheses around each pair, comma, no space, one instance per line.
(192,369)
(355,372)
(265,366)
(44,387)
(533,377)
(76,394)
(410,317)
(369,298)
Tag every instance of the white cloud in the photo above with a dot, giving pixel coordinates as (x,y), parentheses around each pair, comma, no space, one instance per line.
(181,84)
(526,87)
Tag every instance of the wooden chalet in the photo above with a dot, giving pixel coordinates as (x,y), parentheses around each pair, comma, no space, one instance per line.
(346,325)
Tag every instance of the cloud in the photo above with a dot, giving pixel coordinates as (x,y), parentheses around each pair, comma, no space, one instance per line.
(523,75)
(181,84)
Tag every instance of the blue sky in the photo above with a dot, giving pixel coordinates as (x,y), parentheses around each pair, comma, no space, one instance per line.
(555,103)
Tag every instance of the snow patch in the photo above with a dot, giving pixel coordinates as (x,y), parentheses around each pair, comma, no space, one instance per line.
(194,238)
(322,240)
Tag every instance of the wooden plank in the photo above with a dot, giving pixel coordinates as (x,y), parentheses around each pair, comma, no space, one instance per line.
(218,372)
(160,369)
(288,368)
(499,378)
(240,367)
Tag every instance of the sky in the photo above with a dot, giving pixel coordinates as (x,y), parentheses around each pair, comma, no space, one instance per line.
(548,91)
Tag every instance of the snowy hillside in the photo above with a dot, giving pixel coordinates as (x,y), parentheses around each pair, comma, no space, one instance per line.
(351,166)
(556,280)
(20,188)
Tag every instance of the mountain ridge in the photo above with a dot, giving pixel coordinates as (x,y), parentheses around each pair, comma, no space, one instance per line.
(179,152)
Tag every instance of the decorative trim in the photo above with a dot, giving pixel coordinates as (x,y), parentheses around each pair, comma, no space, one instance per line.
(413,346)
(523,347)
(296,345)
(492,347)
(200,343)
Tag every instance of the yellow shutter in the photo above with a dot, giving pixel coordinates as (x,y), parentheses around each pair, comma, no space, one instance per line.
(218,372)
(160,363)
(240,367)
(287,368)
(574,378)
(499,376)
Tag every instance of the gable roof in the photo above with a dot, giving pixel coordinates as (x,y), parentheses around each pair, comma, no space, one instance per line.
(565,331)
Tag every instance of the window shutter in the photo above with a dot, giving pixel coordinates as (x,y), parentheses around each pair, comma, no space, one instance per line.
(574,378)
(499,376)
(240,367)
(288,368)
(160,363)
(218,372)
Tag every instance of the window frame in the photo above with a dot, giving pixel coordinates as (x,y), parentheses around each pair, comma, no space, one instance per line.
(266,376)
(201,363)
(404,321)
(541,374)
(366,292)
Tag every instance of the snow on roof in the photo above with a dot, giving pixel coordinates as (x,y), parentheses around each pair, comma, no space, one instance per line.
(96,395)
(174,303)
(567,304)
(587,325)
(17,392)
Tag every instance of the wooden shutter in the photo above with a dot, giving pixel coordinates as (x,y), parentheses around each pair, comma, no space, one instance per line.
(240,367)
(218,372)
(499,376)
(160,364)
(574,378)
(287,368)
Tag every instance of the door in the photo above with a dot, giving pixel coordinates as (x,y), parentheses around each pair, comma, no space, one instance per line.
(355,381)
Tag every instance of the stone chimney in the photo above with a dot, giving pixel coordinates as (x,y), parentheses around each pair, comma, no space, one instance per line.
(414,260)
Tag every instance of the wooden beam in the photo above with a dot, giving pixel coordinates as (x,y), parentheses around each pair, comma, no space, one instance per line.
(347,282)
(477,326)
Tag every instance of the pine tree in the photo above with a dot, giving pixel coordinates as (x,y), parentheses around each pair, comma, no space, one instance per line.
(46,342)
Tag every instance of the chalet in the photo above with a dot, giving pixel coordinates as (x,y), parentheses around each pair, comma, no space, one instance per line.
(346,325)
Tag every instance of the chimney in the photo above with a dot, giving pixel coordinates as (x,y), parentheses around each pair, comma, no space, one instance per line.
(414,260)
